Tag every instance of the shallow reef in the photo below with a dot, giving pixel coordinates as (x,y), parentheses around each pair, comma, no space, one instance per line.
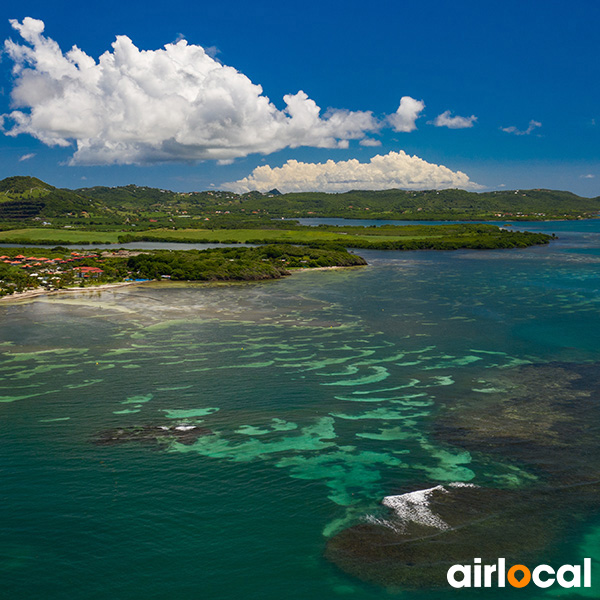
(163,435)
(542,418)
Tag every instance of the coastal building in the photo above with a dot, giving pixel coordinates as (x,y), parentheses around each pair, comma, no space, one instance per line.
(87,272)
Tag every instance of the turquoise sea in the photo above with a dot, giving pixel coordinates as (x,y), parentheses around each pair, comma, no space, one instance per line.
(234,441)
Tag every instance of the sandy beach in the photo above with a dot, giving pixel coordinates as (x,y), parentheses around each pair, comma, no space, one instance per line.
(335,267)
(36,292)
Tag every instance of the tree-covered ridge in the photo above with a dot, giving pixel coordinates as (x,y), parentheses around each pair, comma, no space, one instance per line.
(418,205)
(29,199)
(453,204)
(24,185)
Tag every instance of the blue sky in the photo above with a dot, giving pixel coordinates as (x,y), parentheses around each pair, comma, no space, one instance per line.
(528,71)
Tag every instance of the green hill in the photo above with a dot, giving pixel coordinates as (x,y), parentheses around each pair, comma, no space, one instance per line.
(26,198)
(418,205)
(29,199)
(401,204)
(26,186)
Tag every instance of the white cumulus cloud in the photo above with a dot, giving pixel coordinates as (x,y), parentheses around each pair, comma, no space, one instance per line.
(512,129)
(403,120)
(446,120)
(26,156)
(173,104)
(392,170)
(370,142)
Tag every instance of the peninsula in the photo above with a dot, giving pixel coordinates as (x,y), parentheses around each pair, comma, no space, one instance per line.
(35,213)
(60,269)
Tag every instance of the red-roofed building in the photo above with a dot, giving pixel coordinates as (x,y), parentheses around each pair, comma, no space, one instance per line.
(86,272)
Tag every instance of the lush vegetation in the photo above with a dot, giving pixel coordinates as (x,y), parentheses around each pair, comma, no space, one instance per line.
(227,264)
(34,212)
(30,201)
(451,204)
(50,235)
(28,198)
(59,268)
(388,237)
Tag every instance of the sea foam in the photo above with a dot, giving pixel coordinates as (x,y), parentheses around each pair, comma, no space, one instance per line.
(414,507)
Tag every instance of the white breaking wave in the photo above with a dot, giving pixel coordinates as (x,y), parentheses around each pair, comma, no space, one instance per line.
(413,507)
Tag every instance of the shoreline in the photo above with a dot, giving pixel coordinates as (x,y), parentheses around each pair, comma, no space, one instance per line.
(37,292)
(293,270)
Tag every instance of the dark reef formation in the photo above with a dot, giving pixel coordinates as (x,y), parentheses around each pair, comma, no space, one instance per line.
(151,434)
(546,420)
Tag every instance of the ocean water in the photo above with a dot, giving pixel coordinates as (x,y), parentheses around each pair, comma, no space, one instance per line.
(195,441)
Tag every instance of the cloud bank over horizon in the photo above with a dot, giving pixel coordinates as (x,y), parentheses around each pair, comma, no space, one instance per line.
(392,170)
(178,104)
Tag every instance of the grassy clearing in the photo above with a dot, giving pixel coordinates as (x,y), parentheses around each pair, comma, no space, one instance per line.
(66,236)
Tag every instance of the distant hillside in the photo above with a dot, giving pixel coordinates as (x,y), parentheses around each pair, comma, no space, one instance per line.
(422,204)
(451,204)
(135,197)
(27,198)
(23,198)
(24,186)
(129,196)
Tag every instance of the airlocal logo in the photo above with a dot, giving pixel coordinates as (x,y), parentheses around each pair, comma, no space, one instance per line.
(519,576)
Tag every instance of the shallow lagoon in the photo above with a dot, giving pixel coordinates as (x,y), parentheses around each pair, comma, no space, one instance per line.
(318,395)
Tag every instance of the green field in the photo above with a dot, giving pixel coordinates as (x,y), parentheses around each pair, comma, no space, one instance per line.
(63,236)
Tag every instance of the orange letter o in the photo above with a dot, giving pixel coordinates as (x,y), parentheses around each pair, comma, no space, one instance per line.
(514,581)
